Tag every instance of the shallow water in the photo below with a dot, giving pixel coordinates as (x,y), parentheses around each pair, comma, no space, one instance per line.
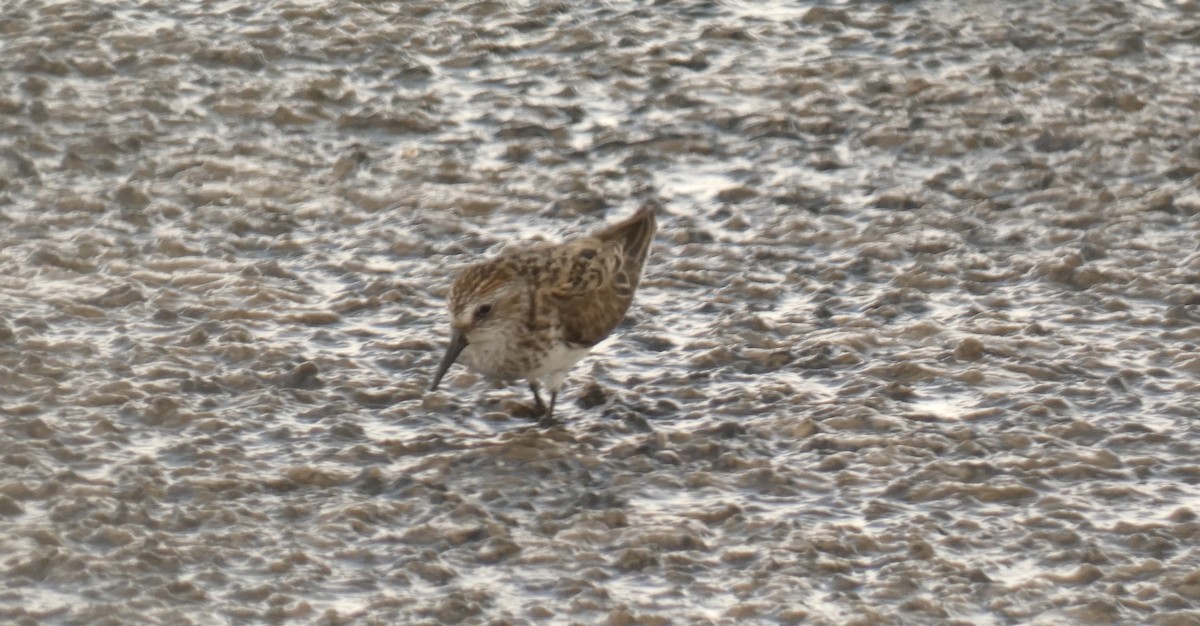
(917,343)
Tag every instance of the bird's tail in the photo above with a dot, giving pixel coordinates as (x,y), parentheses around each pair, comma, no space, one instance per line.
(635,234)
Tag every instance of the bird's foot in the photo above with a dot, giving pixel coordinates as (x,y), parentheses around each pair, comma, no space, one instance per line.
(544,413)
(540,409)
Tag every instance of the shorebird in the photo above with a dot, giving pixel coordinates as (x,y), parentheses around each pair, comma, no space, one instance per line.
(532,313)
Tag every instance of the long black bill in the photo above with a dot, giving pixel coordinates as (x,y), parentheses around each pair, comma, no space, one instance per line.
(458,341)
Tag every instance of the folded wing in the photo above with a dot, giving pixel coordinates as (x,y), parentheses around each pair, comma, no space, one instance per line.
(597,277)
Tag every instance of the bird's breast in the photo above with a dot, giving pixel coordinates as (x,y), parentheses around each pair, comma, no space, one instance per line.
(506,357)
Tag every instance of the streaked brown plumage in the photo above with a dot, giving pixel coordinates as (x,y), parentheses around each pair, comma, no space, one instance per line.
(532,313)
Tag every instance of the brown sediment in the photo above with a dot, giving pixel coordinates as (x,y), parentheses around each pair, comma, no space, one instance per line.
(917,344)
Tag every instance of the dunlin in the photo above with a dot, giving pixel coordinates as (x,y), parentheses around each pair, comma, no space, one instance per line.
(532,313)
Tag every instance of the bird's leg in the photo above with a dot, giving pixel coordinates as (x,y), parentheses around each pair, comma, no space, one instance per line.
(539,407)
(547,419)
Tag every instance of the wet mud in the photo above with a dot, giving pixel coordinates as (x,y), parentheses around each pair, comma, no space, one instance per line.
(916,343)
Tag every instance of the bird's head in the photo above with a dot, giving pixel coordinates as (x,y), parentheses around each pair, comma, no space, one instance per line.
(486,304)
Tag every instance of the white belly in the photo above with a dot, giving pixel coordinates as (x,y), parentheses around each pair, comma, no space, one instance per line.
(555,365)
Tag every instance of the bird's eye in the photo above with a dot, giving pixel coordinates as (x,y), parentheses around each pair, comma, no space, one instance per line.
(483,311)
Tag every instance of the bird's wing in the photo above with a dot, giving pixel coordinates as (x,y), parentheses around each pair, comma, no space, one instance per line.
(586,285)
(589,288)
